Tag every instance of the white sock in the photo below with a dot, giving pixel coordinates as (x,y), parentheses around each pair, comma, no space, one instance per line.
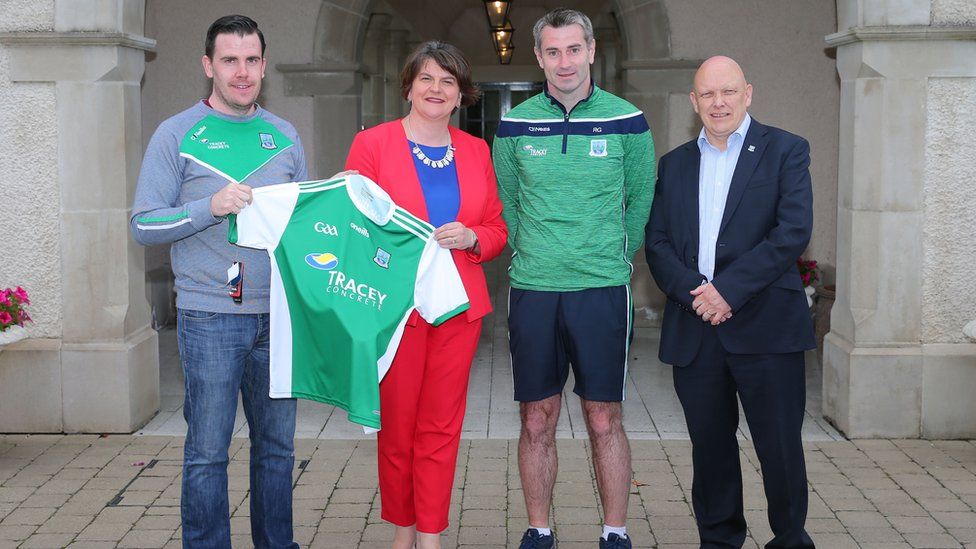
(619,530)
(542,531)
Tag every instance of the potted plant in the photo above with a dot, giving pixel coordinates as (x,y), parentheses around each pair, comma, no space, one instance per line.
(13,315)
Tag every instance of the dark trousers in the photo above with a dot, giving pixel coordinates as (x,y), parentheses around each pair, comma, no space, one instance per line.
(773,394)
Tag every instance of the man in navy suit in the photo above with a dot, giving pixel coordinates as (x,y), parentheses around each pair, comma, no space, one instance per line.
(731,214)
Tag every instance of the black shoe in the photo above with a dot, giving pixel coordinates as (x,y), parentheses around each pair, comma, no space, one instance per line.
(531,539)
(614,541)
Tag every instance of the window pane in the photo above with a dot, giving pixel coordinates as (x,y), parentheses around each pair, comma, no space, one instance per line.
(491,101)
(521,95)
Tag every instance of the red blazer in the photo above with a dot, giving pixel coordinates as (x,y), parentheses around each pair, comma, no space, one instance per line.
(382,154)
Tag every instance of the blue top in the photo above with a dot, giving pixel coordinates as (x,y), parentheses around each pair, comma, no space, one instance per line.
(440,186)
(714,179)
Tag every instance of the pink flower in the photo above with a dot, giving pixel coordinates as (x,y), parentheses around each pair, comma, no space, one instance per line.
(5,318)
(22,293)
(5,298)
(23,317)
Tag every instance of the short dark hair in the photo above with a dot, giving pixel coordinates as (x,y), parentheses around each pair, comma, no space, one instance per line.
(449,58)
(563,17)
(241,25)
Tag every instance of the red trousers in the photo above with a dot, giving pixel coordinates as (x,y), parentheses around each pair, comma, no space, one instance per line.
(422,400)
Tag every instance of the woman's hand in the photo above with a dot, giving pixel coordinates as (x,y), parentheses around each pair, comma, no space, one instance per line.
(455,236)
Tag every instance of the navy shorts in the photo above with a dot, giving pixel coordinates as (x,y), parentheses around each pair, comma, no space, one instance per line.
(588,329)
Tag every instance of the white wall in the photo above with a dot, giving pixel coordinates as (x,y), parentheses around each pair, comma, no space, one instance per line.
(953,12)
(949,241)
(30,220)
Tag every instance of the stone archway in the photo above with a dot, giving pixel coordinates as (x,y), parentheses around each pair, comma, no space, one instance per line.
(649,74)
(656,83)
(333,80)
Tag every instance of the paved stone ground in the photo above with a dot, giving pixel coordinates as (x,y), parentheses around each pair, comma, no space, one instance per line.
(123,491)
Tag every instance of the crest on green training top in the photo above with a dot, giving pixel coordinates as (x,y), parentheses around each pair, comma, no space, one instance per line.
(267,141)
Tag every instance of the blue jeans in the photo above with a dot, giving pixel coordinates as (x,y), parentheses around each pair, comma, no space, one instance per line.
(223,355)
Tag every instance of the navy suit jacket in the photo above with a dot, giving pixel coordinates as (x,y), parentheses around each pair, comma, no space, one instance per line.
(767,224)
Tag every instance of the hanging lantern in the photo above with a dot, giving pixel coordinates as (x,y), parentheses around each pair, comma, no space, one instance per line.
(497,12)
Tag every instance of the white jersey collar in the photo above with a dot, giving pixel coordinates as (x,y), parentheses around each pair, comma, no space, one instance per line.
(370,199)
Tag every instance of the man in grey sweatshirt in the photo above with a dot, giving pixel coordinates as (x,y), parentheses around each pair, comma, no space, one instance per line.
(199,167)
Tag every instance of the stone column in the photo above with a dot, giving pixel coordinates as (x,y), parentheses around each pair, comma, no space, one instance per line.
(605,66)
(334,82)
(105,363)
(336,90)
(374,69)
(896,363)
(396,55)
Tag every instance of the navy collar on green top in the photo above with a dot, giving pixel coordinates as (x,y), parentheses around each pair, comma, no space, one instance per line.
(554,101)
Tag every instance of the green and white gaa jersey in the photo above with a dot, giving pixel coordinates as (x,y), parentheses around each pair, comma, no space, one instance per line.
(230,149)
(348,266)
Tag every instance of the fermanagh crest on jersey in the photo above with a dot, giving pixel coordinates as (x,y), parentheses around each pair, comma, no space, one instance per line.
(382,258)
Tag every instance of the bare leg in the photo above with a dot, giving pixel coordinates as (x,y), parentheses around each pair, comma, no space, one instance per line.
(611,457)
(404,537)
(428,541)
(537,456)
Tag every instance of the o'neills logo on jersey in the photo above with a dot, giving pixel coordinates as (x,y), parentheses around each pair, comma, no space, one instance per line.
(346,286)
(359,229)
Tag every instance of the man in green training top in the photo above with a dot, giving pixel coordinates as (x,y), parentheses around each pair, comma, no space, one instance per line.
(575,168)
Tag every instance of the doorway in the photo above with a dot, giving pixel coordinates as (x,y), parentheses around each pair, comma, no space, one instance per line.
(482,118)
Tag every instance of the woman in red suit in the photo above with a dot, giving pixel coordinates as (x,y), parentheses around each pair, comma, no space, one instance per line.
(443,175)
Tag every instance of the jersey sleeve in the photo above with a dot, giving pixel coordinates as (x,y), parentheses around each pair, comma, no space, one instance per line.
(639,180)
(439,294)
(158,216)
(491,231)
(262,222)
(507,174)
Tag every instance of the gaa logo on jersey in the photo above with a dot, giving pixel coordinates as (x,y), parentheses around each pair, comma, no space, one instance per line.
(267,141)
(323,262)
(598,147)
(326,229)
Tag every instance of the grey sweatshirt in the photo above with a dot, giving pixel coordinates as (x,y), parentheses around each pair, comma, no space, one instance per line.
(191,156)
